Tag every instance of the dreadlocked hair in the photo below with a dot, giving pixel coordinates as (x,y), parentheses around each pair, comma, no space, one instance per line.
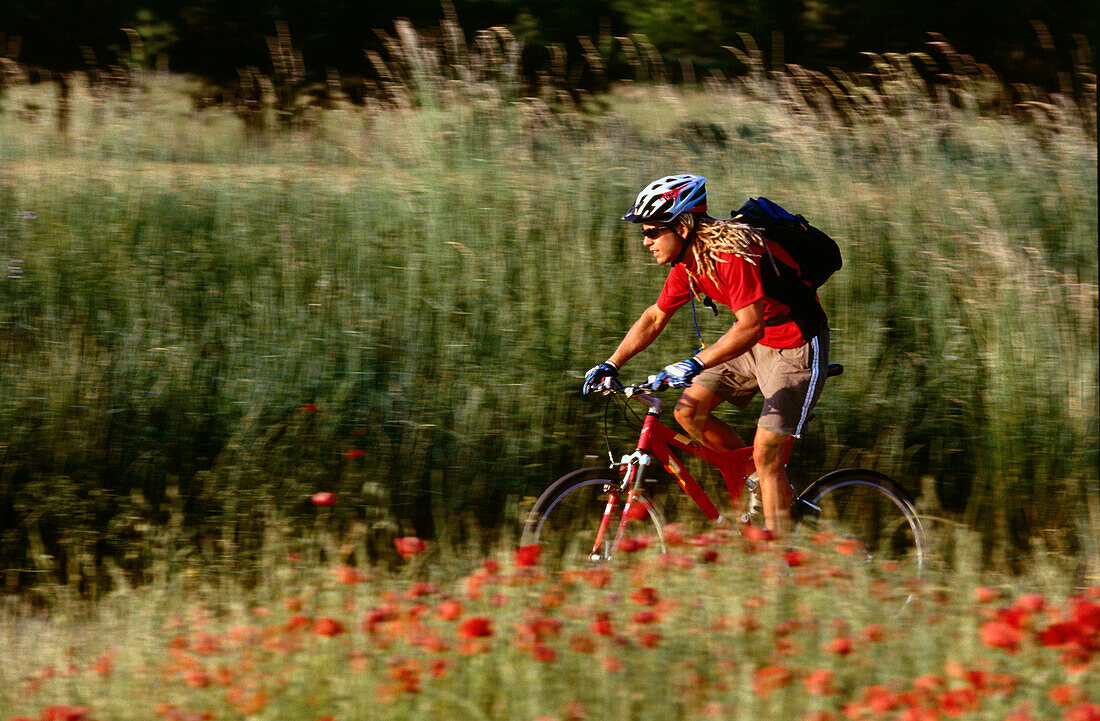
(711,237)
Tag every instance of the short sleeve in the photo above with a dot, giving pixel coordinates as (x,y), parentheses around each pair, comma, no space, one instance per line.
(676,291)
(741,281)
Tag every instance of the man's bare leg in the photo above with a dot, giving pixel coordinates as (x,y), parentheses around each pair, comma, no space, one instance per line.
(776,494)
(694,414)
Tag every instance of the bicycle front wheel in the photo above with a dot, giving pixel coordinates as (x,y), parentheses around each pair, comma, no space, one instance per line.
(579,521)
(865,521)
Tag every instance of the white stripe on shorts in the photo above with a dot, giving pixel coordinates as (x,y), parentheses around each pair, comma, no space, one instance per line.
(815,372)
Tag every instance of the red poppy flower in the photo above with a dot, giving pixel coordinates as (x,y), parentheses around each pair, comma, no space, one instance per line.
(206,644)
(984,594)
(105,664)
(1064,694)
(1014,616)
(409,546)
(957,702)
(417,589)
(355,453)
(841,646)
(874,632)
(527,556)
(819,682)
(997,634)
(849,547)
(65,713)
(475,627)
(769,678)
(632,545)
(309,407)
(348,575)
(197,679)
(324,498)
(1086,614)
(794,558)
(326,626)
(1031,602)
(1084,711)
(636,512)
(449,610)
(378,616)
(297,621)
(645,596)
(602,625)
(649,639)
(542,653)
(674,535)
(753,533)
(582,644)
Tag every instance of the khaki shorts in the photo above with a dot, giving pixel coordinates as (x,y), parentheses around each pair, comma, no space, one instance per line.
(790,379)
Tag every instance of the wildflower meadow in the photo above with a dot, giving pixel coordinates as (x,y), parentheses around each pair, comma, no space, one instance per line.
(719,627)
(283,370)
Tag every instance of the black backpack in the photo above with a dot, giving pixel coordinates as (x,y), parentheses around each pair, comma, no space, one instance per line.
(817,255)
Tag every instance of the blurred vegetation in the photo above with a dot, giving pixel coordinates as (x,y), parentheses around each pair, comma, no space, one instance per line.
(206,314)
(217,38)
(733,631)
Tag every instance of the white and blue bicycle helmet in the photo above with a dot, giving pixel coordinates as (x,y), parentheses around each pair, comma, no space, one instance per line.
(662,200)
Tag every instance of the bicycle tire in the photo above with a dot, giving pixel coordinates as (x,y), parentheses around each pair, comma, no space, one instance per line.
(566,517)
(864,519)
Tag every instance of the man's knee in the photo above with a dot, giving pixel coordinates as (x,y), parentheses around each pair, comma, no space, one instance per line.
(690,414)
(767,450)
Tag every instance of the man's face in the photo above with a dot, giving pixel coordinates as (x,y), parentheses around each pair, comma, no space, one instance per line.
(662,242)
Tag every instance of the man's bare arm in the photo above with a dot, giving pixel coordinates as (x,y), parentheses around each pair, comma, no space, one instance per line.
(744,334)
(648,326)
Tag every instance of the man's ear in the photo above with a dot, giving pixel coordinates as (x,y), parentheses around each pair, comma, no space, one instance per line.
(682,231)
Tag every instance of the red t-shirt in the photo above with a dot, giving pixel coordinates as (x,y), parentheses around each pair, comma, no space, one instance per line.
(738,286)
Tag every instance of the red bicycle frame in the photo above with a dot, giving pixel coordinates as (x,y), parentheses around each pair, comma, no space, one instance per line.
(735,466)
(657,441)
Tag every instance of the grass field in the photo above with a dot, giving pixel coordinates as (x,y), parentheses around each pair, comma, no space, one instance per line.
(203,322)
(720,627)
(435,281)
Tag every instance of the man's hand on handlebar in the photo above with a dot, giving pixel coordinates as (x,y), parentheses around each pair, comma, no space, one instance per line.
(603,378)
(677,375)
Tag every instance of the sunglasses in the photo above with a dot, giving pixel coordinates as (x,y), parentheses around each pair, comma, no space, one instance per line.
(654,233)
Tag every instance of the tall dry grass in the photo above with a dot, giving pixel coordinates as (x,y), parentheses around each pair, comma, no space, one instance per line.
(207,323)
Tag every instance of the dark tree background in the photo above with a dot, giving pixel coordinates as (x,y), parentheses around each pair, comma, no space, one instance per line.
(215,37)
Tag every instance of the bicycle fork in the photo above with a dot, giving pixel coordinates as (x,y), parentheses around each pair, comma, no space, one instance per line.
(635,465)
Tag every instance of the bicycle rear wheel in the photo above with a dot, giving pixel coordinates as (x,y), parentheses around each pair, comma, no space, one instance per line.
(864,521)
(566,521)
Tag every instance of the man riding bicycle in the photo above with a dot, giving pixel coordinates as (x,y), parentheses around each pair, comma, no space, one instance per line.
(772,348)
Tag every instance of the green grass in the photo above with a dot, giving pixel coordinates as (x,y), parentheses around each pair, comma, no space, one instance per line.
(719,628)
(435,281)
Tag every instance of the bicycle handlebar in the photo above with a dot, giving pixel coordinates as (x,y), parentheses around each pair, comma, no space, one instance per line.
(646,387)
(632,390)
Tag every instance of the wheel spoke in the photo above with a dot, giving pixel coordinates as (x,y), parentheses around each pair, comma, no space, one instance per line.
(567,525)
(862,520)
